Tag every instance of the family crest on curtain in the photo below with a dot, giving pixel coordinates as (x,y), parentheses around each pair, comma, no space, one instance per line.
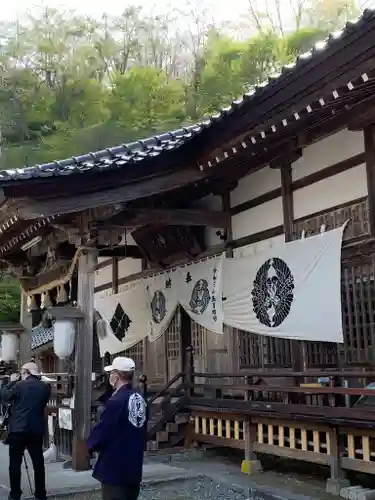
(126,318)
(200,292)
(290,291)
(162,300)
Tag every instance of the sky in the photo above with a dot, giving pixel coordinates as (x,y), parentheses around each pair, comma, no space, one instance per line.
(222,10)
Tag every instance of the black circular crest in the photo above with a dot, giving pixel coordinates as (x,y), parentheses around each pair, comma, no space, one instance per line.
(273,292)
(200,297)
(158,306)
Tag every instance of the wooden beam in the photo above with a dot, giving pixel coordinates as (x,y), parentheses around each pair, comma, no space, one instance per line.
(115,275)
(287,200)
(34,208)
(170,217)
(369,138)
(364,119)
(288,218)
(225,203)
(83,361)
(124,251)
(325,173)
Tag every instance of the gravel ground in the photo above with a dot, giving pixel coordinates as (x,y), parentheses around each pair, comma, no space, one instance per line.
(198,489)
(192,489)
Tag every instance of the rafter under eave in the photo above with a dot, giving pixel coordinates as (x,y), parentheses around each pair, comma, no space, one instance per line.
(169,217)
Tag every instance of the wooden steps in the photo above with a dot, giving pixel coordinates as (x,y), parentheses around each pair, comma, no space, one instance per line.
(167,424)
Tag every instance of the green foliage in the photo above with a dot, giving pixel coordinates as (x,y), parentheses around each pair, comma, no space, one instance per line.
(10,300)
(70,84)
(303,39)
(143,98)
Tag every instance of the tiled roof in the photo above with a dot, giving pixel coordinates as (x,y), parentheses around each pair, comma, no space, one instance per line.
(136,152)
(41,336)
(110,158)
(302,60)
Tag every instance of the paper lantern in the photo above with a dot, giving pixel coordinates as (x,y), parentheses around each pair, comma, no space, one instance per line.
(62,296)
(63,338)
(101,328)
(31,303)
(45,301)
(9,346)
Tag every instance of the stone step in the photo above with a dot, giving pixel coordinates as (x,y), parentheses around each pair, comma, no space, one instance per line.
(152,445)
(162,437)
(182,418)
(171,427)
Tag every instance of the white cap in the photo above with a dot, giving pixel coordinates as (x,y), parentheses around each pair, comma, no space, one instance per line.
(32,368)
(121,364)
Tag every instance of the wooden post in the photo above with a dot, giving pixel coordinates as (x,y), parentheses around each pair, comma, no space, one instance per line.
(143,385)
(288,218)
(228,233)
(115,275)
(337,479)
(250,463)
(369,139)
(189,369)
(185,336)
(287,200)
(83,360)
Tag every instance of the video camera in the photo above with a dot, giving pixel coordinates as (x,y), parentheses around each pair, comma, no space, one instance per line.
(6,369)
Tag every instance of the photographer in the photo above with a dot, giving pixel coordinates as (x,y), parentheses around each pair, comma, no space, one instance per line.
(27,399)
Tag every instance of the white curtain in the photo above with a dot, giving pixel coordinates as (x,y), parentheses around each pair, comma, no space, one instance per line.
(126,318)
(200,292)
(162,300)
(290,291)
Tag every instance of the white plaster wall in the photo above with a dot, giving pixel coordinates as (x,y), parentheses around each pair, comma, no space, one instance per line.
(256,184)
(261,246)
(129,266)
(327,152)
(103,275)
(126,267)
(258,219)
(102,259)
(341,188)
(210,202)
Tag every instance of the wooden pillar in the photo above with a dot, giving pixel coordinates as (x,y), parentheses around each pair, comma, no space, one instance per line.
(228,233)
(287,200)
(115,275)
(288,218)
(186,337)
(83,361)
(369,139)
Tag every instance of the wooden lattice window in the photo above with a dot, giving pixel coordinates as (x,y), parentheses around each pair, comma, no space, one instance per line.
(173,336)
(321,354)
(136,353)
(357,213)
(198,335)
(356,292)
(358,305)
(260,351)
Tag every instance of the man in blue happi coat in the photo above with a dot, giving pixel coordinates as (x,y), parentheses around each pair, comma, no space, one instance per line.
(120,436)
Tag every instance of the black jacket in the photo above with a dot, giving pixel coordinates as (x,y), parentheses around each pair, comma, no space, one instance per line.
(28,400)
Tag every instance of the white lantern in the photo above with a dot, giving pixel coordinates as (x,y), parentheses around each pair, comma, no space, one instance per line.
(63,338)
(9,346)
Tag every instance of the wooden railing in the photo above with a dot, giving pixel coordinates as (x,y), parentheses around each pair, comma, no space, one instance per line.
(306,422)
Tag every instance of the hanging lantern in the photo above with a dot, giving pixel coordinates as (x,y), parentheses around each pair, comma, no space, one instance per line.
(62,296)
(9,346)
(46,301)
(63,337)
(31,303)
(101,328)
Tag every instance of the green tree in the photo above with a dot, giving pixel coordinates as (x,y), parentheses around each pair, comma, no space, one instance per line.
(10,300)
(221,78)
(144,99)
